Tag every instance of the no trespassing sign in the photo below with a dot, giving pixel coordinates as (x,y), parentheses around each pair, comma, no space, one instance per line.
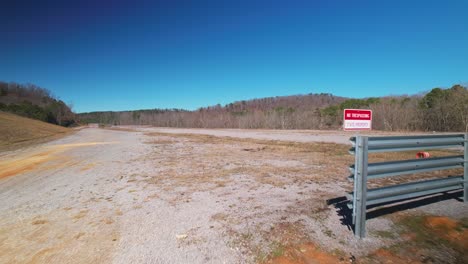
(357,119)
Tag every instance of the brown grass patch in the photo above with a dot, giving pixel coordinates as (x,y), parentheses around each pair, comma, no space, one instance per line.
(81,214)
(39,222)
(450,229)
(305,254)
(285,242)
(108,221)
(385,256)
(17,132)
(426,239)
(80,234)
(208,159)
(219,217)
(125,129)
(151,197)
(202,162)
(118,212)
(160,141)
(192,159)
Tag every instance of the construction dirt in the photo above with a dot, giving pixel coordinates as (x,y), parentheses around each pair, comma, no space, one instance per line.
(153,195)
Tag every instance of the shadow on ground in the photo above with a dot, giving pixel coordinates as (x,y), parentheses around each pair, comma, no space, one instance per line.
(342,209)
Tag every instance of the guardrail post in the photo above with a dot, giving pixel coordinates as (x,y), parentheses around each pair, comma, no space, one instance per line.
(360,191)
(465,169)
(356,161)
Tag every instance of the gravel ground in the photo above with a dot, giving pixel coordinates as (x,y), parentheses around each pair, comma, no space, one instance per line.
(339,137)
(109,196)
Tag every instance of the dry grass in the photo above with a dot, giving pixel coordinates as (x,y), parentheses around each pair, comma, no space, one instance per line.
(194,160)
(125,129)
(191,163)
(425,239)
(203,162)
(17,132)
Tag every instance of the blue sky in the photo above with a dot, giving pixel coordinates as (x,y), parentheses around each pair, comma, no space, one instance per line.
(118,55)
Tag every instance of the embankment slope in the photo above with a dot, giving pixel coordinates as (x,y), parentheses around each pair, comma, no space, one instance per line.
(17,131)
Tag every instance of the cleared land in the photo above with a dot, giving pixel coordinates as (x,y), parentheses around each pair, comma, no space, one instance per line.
(147,195)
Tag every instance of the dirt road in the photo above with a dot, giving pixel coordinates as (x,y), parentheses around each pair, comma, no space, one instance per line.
(107,196)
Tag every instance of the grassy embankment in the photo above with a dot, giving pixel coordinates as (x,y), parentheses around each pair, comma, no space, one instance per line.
(17,132)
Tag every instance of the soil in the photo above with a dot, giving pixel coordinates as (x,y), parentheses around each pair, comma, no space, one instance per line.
(152,195)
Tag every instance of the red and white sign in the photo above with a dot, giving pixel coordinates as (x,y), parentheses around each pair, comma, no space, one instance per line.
(357,119)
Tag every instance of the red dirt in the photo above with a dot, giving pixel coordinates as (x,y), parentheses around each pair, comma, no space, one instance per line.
(386,256)
(306,254)
(31,161)
(447,228)
(13,167)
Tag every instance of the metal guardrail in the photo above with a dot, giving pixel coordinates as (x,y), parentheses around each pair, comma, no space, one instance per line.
(361,171)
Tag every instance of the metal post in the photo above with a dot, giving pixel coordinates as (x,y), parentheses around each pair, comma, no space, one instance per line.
(356,161)
(361,186)
(465,169)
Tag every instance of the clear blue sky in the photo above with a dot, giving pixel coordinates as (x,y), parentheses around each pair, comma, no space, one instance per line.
(118,55)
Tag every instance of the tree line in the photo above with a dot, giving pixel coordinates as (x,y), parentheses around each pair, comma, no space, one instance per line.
(32,101)
(438,110)
(283,112)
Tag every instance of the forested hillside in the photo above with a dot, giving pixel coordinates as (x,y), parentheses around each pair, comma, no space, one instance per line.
(284,112)
(438,110)
(31,101)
